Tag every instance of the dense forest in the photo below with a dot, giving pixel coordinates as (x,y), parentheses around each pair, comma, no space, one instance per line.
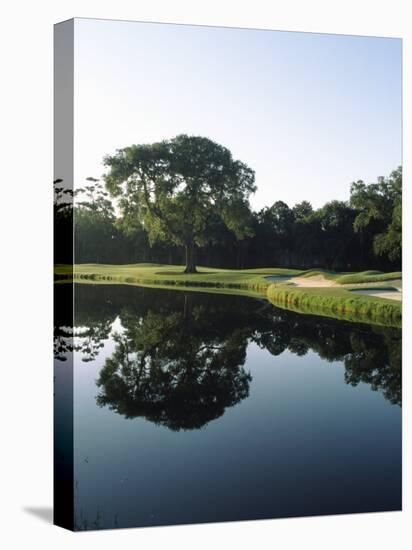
(115,222)
(361,233)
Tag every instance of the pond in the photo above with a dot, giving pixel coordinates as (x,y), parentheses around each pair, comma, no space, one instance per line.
(277,278)
(200,407)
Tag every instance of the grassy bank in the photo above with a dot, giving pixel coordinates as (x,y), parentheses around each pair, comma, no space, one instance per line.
(360,277)
(368,277)
(172,275)
(336,301)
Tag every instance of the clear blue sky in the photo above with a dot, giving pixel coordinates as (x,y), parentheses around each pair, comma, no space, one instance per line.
(310,113)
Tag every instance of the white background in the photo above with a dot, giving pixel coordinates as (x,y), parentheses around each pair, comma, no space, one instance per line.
(26,271)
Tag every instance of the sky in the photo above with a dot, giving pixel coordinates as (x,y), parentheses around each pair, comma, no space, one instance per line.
(310,113)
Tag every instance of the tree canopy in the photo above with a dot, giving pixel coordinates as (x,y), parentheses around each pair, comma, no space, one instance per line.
(177,187)
(379,207)
(364,232)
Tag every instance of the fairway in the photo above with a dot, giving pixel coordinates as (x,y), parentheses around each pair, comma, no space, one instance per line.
(322,292)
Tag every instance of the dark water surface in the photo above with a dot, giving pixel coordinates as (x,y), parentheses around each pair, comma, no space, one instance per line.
(197,407)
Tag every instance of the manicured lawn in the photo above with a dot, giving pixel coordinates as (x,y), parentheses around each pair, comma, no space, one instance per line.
(336,301)
(339,303)
(354,277)
(172,275)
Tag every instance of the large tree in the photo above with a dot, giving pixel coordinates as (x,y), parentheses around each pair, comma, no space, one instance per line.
(177,186)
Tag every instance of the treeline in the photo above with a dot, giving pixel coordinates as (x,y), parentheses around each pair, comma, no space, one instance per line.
(362,233)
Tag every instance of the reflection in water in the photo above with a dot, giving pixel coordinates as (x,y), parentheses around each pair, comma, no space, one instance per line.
(174,370)
(279,383)
(179,358)
(92,323)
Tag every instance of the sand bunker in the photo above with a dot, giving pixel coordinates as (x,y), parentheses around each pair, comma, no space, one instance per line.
(396,282)
(388,294)
(317,281)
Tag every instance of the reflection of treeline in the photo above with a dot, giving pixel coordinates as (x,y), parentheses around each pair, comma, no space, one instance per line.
(362,233)
(179,360)
(84,330)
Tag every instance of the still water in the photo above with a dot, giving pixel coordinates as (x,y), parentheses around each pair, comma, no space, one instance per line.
(197,407)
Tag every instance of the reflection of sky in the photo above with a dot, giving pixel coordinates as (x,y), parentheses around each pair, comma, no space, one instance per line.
(309,113)
(302,442)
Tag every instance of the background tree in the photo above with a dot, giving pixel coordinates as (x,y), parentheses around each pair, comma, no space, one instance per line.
(306,249)
(337,237)
(363,233)
(379,213)
(94,221)
(176,186)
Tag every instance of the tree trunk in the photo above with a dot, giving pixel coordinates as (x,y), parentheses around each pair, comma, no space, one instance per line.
(190,258)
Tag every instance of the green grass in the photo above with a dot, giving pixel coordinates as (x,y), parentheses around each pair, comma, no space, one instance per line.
(354,277)
(172,275)
(337,302)
(367,277)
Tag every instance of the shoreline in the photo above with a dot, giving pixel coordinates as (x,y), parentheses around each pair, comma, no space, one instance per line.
(306,292)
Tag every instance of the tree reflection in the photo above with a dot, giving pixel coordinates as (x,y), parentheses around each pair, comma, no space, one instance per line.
(379,366)
(85,330)
(370,354)
(174,370)
(179,359)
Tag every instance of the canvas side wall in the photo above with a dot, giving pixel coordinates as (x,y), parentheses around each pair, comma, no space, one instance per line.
(63,289)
